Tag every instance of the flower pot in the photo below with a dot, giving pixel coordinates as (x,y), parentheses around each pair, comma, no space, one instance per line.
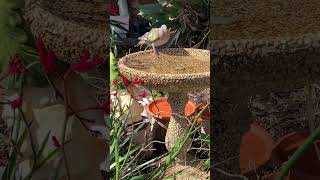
(160,109)
(273,176)
(307,167)
(255,149)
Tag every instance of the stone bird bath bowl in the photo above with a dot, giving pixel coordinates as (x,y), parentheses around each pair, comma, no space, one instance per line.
(69,27)
(258,47)
(175,71)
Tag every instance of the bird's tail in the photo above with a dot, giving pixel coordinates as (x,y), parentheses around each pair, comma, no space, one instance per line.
(172,32)
(140,43)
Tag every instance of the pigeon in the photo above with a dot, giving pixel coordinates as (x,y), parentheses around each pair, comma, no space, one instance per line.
(156,37)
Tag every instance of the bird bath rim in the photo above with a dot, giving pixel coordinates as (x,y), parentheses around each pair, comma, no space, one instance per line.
(66,37)
(161,79)
(266,45)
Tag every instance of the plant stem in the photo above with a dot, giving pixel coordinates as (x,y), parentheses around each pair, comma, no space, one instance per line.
(65,124)
(298,153)
(30,134)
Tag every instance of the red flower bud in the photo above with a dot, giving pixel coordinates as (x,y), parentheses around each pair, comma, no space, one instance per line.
(137,81)
(46,57)
(55,141)
(115,82)
(84,64)
(143,94)
(125,80)
(16,67)
(16,103)
(106,106)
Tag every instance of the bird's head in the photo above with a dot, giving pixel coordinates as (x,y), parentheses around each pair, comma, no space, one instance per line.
(164,28)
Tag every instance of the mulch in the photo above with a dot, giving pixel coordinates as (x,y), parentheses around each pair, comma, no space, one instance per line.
(4,146)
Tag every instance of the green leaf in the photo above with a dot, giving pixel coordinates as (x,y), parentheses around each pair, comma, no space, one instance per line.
(43,145)
(11,39)
(55,174)
(113,67)
(140,177)
(43,162)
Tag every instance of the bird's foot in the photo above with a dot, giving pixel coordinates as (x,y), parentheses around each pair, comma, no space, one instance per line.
(155,52)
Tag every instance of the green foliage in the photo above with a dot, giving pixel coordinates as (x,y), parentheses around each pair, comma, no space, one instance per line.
(113,67)
(16,39)
(11,34)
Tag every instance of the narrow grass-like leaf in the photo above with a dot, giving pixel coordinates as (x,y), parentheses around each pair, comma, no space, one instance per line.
(43,145)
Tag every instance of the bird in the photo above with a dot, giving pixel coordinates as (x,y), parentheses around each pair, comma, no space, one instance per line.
(156,37)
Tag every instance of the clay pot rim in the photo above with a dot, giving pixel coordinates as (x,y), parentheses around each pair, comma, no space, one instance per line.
(272,176)
(281,140)
(290,135)
(264,136)
(166,118)
(157,116)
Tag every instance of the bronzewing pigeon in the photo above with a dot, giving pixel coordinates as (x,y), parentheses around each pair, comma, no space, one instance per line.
(156,37)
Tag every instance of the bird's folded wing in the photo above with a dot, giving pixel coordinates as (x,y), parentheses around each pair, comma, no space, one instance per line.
(153,35)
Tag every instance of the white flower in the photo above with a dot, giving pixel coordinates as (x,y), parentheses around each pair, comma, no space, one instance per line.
(152,121)
(112,97)
(202,130)
(144,103)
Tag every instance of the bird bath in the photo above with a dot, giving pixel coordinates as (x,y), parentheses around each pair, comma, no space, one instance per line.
(258,52)
(175,71)
(69,27)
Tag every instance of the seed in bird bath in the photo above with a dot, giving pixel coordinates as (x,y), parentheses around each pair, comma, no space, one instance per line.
(170,64)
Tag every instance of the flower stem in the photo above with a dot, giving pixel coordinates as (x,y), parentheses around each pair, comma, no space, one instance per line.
(65,124)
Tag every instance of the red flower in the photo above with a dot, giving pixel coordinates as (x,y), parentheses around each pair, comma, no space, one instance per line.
(137,81)
(115,93)
(106,106)
(46,57)
(125,80)
(84,64)
(16,67)
(115,82)
(16,103)
(143,94)
(55,141)
(113,9)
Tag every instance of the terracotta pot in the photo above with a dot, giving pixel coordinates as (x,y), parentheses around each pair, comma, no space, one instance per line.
(204,119)
(160,109)
(307,167)
(255,149)
(273,176)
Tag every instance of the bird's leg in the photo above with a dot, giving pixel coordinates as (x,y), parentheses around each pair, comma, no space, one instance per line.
(155,50)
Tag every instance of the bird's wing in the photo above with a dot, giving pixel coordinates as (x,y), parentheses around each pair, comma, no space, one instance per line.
(143,40)
(144,37)
(153,35)
(149,37)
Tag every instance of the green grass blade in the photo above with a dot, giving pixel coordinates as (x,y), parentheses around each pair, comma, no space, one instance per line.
(43,145)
